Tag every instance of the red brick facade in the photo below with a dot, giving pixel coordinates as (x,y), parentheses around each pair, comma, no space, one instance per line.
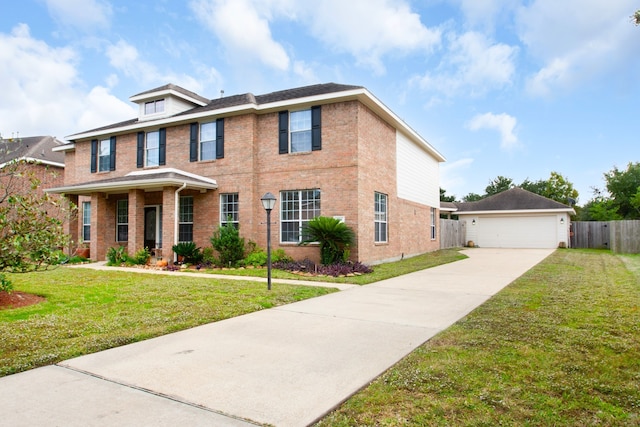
(357,159)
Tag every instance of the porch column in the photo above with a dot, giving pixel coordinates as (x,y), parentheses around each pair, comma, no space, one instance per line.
(168,222)
(70,225)
(136,221)
(98,226)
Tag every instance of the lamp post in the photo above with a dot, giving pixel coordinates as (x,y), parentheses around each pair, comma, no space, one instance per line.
(268,203)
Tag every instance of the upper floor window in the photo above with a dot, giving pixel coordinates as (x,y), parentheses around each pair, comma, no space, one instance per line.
(300,131)
(207,141)
(380,218)
(103,155)
(153,107)
(297,208)
(229,209)
(300,128)
(152,148)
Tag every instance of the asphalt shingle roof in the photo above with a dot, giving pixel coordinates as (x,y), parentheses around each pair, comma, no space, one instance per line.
(512,199)
(33,147)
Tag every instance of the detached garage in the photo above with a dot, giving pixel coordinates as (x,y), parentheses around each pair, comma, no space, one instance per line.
(516,218)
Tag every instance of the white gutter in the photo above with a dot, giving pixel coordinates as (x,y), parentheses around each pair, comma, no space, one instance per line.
(176,217)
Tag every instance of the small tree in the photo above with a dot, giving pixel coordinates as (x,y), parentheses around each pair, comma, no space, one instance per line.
(230,246)
(333,235)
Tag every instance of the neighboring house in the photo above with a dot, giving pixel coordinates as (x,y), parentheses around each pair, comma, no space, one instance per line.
(30,157)
(188,164)
(515,218)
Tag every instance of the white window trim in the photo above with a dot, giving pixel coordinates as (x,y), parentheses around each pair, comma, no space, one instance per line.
(377,221)
(291,132)
(118,223)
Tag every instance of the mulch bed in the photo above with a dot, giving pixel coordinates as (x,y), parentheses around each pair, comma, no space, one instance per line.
(15,299)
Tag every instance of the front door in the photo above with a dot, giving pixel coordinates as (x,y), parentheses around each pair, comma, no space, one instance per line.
(153,227)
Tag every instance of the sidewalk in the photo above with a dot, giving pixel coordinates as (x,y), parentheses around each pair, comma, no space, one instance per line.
(287,366)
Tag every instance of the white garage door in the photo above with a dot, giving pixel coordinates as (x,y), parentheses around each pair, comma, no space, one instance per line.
(517,232)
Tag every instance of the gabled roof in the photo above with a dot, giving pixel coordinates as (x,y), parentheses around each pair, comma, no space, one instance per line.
(167,89)
(514,199)
(32,149)
(149,180)
(301,97)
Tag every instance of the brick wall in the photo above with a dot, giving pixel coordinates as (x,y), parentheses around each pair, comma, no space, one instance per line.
(357,159)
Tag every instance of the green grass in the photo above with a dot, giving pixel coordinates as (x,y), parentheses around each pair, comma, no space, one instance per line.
(87,311)
(558,347)
(380,272)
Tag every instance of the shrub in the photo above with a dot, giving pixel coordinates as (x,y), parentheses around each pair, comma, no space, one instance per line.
(335,269)
(333,235)
(279,255)
(230,246)
(5,284)
(189,251)
(208,256)
(117,255)
(141,257)
(257,258)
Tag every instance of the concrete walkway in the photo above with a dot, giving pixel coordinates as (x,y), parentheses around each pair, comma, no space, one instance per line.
(287,366)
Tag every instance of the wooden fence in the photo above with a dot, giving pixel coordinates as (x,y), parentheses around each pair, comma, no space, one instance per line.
(619,236)
(452,233)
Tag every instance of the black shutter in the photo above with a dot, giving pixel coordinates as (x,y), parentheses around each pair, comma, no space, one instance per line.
(220,139)
(162,157)
(112,153)
(140,159)
(94,155)
(193,143)
(283,141)
(316,136)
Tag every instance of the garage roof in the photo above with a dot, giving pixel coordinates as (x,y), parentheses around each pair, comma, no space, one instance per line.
(514,199)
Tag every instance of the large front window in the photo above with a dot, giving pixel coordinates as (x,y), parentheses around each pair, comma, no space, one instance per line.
(380,218)
(208,141)
(300,127)
(104,155)
(229,209)
(122,221)
(185,225)
(152,149)
(297,208)
(86,221)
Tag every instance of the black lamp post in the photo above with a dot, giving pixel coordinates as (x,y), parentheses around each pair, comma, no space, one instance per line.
(268,203)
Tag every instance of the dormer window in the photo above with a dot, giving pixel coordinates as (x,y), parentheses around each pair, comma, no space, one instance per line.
(153,107)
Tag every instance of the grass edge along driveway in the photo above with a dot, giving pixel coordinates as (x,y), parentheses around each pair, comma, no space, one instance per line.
(560,346)
(88,311)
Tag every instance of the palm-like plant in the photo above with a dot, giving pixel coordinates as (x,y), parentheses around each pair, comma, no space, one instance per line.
(333,235)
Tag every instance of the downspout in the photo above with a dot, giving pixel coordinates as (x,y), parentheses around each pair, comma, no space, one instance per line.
(176,217)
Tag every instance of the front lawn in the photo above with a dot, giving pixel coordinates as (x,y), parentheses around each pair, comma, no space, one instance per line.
(558,347)
(87,311)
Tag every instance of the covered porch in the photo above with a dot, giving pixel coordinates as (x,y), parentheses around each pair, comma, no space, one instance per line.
(137,210)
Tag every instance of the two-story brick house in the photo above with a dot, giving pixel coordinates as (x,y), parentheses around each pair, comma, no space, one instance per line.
(187,164)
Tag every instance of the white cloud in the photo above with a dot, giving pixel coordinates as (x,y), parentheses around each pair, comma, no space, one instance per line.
(42,93)
(86,15)
(503,123)
(370,29)
(452,176)
(484,13)
(472,65)
(243,31)
(126,58)
(575,41)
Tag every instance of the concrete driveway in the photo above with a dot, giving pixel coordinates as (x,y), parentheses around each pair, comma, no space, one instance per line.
(287,366)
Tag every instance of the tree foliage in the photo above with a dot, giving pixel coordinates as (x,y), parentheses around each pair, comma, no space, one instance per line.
(624,188)
(444,197)
(557,188)
(635,18)
(498,185)
(31,221)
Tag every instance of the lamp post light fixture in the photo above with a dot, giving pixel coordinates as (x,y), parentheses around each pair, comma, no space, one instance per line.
(268,203)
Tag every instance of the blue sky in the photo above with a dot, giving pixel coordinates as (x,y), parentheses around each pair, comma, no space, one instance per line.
(499,87)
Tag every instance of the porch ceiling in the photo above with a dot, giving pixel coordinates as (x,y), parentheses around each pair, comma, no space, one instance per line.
(148,180)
